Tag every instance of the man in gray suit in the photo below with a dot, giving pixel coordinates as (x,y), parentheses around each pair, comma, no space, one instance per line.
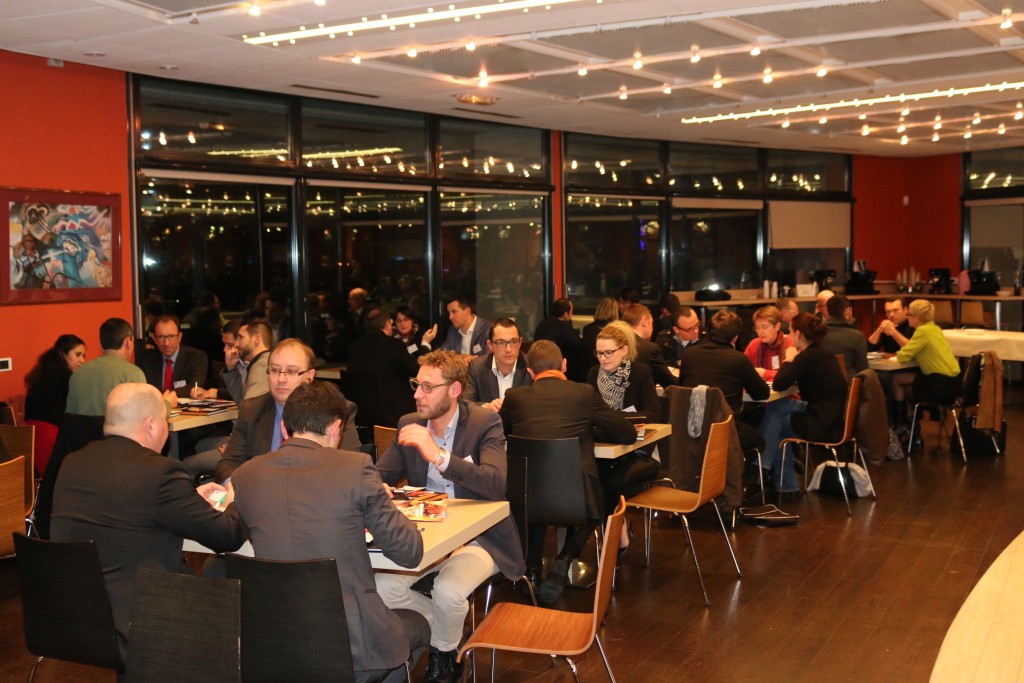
(308,500)
(504,367)
(449,446)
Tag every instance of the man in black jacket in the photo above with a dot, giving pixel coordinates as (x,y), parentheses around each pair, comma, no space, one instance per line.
(640,319)
(504,367)
(380,368)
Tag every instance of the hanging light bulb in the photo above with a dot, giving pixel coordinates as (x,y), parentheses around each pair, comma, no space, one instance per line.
(582,70)
(967,133)
(904,140)
(622,93)
(254,10)
(935,137)
(483,78)
(412,52)
(755,51)
(822,71)
(718,80)
(1002,129)
(667,89)
(905,112)
(901,128)
(695,56)
(471,45)
(977,118)
(823,120)
(785,123)
(638,63)
(1007,21)
(767,78)
(356,59)
(864,130)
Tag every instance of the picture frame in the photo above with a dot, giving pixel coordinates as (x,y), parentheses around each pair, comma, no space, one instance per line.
(60,246)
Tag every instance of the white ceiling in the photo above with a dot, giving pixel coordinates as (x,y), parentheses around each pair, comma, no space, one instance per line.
(870,48)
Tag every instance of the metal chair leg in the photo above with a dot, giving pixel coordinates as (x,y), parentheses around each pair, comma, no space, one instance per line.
(32,671)
(689,539)
(648,523)
(913,424)
(864,464)
(960,436)
(760,474)
(572,667)
(728,542)
(600,649)
(842,479)
(782,469)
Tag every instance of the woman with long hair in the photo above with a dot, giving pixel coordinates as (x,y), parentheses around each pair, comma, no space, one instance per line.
(47,385)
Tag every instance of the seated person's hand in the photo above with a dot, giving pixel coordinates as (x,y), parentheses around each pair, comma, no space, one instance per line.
(208,490)
(418,436)
(389,490)
(429,335)
(791,353)
(495,405)
(230,357)
(760,371)
(887,327)
(203,394)
(171,398)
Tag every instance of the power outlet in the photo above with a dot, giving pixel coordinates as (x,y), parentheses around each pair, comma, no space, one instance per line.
(6,365)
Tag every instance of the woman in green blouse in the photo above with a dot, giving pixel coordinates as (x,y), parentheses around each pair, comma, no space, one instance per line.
(939,378)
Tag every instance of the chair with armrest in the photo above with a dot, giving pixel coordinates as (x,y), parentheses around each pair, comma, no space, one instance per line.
(712,485)
(516,627)
(184,628)
(848,437)
(64,603)
(293,620)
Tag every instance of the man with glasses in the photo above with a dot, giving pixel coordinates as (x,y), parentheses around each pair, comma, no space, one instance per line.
(173,368)
(450,446)
(504,367)
(640,319)
(685,330)
(258,429)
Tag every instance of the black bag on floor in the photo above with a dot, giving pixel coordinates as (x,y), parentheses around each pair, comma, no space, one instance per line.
(976,441)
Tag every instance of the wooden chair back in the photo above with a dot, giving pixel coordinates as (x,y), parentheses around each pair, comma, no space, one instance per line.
(64,602)
(606,570)
(852,409)
(841,359)
(21,440)
(944,312)
(716,454)
(972,313)
(383,437)
(12,515)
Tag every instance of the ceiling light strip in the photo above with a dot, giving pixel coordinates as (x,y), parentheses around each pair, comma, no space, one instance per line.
(861,102)
(407,19)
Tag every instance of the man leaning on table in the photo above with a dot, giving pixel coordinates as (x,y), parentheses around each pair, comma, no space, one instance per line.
(504,367)
(893,333)
(308,500)
(452,447)
(246,352)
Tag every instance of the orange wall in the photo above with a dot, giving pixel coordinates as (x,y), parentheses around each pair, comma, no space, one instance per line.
(907,213)
(63,129)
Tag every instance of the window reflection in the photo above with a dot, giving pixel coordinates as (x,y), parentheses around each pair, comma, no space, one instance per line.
(605,162)
(996,168)
(492,253)
(713,168)
(611,243)
(487,150)
(807,171)
(714,247)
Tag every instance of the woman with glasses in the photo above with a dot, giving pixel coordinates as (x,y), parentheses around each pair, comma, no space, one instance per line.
(768,349)
(626,386)
(407,330)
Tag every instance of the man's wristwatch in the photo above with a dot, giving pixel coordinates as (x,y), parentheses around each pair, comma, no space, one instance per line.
(440,457)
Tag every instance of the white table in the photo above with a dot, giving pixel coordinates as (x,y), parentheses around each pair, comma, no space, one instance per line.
(466,520)
(653,432)
(966,343)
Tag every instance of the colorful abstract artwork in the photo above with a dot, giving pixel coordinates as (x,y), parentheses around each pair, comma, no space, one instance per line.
(61,246)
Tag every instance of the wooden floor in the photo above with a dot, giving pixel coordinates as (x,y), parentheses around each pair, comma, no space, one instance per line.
(862,598)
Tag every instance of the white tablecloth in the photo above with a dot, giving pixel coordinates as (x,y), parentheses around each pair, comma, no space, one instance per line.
(1007,345)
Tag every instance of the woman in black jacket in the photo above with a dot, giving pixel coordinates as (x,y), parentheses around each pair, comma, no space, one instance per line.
(47,396)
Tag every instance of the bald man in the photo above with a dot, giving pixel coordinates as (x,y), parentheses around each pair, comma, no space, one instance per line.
(135,503)
(821,303)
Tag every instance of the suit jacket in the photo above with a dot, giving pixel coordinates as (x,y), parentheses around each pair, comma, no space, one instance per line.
(483,385)
(138,506)
(256,382)
(554,408)
(652,355)
(192,367)
(253,434)
(478,345)
(478,437)
(385,366)
(640,393)
(720,365)
(305,502)
(561,332)
(671,349)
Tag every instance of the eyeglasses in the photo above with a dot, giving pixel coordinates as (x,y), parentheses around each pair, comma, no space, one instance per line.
(687,330)
(427,388)
(166,337)
(290,373)
(608,354)
(502,343)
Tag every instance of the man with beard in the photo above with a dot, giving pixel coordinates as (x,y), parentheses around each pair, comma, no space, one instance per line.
(246,351)
(452,447)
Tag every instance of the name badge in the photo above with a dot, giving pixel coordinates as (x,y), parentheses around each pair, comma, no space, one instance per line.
(476,349)
(412,348)
(775,362)
(179,384)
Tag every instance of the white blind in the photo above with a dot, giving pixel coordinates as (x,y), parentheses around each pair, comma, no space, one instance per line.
(808,225)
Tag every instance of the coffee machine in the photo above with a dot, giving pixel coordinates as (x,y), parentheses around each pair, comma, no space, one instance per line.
(862,280)
(824,278)
(939,281)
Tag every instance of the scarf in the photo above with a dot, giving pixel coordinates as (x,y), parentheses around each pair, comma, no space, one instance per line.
(549,373)
(613,385)
(695,420)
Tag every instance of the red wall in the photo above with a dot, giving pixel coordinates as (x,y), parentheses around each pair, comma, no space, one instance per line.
(63,129)
(907,213)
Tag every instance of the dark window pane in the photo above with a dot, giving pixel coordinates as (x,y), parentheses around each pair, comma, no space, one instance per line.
(360,139)
(794,266)
(807,171)
(996,168)
(492,252)
(476,149)
(611,243)
(712,168)
(592,161)
(212,124)
(714,246)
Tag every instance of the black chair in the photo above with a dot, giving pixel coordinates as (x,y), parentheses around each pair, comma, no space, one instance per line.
(293,620)
(64,603)
(184,628)
(557,490)
(970,388)
(76,431)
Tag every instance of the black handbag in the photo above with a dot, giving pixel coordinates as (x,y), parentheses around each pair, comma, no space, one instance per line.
(830,480)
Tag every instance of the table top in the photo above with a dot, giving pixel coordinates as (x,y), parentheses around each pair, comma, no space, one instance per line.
(330,371)
(1007,345)
(182,422)
(774,395)
(466,520)
(888,363)
(653,432)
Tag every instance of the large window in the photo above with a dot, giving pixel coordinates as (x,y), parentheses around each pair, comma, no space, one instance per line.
(715,246)
(479,150)
(593,161)
(995,169)
(713,169)
(492,248)
(611,243)
(790,170)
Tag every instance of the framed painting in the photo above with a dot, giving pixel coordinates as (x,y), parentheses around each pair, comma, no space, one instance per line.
(60,246)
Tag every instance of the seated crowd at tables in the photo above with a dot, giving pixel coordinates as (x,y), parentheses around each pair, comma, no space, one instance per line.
(453,398)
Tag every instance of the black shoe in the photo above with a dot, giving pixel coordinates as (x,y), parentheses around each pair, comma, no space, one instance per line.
(441,666)
(624,550)
(555,583)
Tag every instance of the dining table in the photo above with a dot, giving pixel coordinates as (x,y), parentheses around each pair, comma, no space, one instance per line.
(653,432)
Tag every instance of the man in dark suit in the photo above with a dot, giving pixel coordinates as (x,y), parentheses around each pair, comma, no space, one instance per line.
(308,500)
(452,447)
(557,327)
(555,408)
(258,428)
(380,363)
(173,368)
(468,333)
(504,367)
(640,319)
(136,504)
(684,331)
